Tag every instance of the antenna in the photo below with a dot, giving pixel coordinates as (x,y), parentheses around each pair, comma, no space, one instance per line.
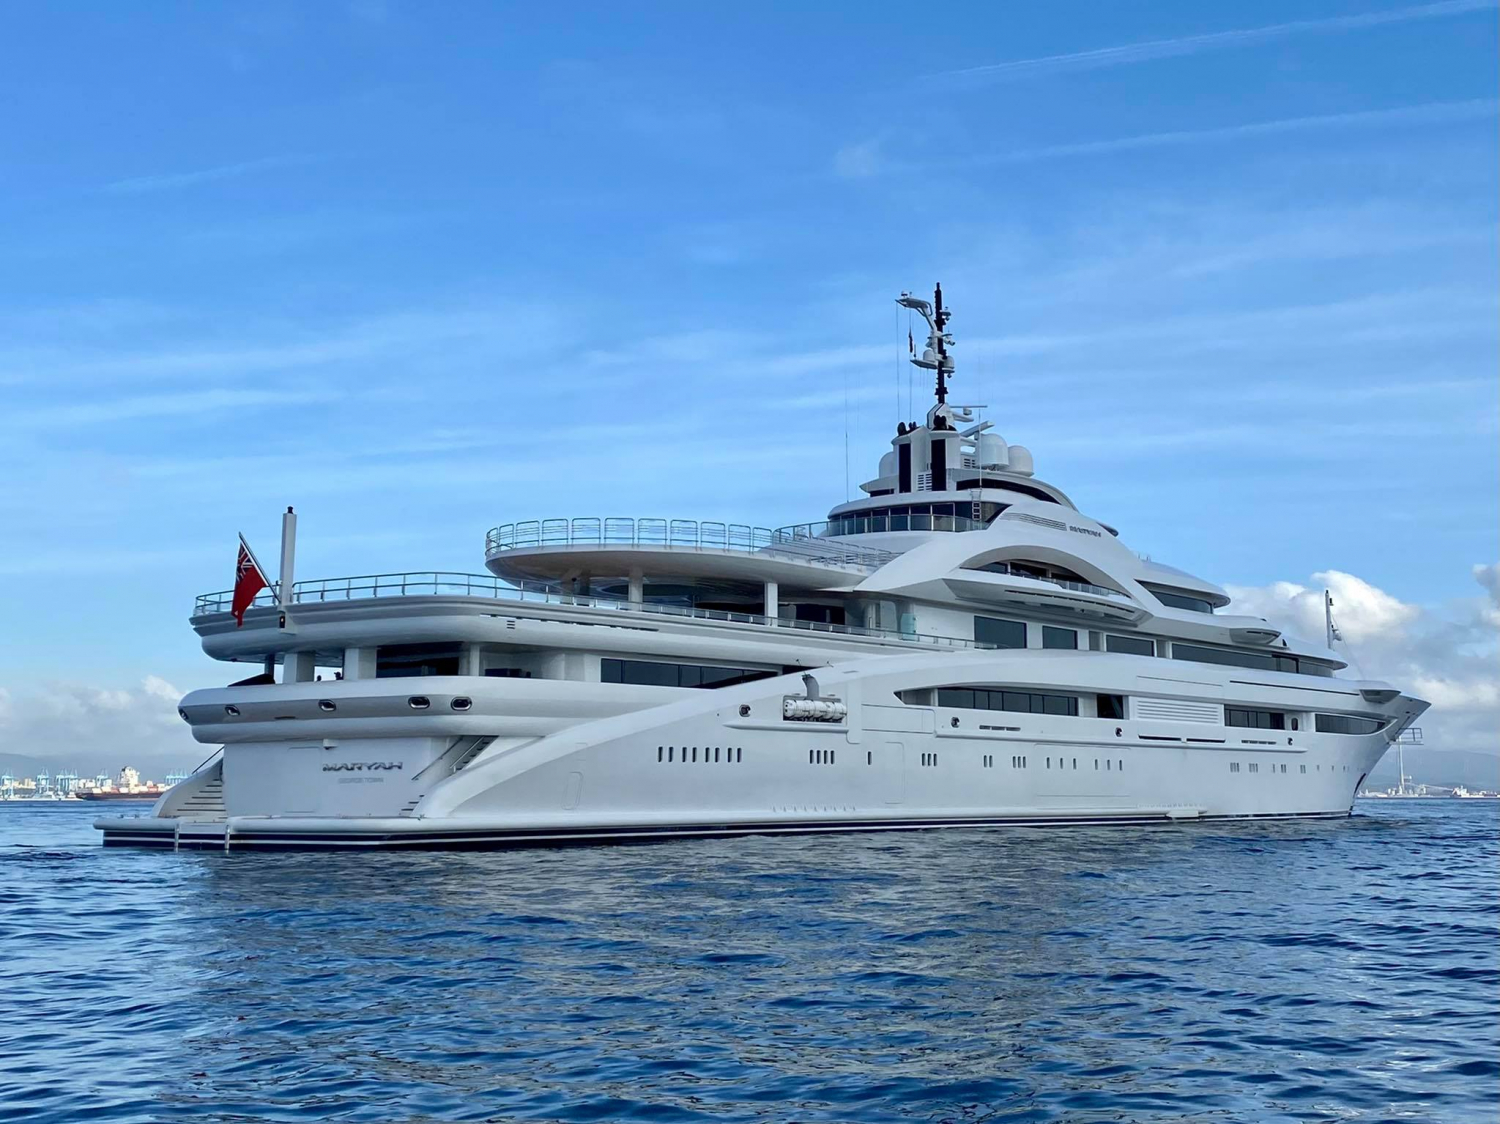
(935,356)
(941,315)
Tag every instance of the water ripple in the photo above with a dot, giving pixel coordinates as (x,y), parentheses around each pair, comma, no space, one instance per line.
(1333,971)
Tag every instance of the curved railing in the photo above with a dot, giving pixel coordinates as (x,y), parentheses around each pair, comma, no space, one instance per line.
(434,583)
(804,542)
(1063,583)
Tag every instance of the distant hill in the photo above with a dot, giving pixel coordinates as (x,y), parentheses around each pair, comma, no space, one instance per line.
(1446,767)
(18,765)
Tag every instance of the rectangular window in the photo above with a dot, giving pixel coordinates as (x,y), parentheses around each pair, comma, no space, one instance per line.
(1130,645)
(1263,661)
(402,661)
(1112,706)
(1254,719)
(997,633)
(1343,724)
(649,673)
(1059,637)
(1180,598)
(1023,702)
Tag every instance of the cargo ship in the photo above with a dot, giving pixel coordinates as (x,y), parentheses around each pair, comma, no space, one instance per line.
(127,786)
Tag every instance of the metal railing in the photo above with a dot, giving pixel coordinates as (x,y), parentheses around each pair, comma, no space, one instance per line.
(802,542)
(1076,587)
(880,522)
(433,584)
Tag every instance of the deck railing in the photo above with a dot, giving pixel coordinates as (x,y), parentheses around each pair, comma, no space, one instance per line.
(803,542)
(434,584)
(1062,583)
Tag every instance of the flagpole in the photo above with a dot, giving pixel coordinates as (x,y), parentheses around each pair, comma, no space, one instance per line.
(288,558)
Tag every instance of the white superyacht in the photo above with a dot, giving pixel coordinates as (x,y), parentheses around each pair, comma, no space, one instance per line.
(959,648)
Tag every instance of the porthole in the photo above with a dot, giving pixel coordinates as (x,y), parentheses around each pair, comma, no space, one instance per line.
(954,721)
(232,710)
(419,702)
(327,705)
(461,703)
(744,710)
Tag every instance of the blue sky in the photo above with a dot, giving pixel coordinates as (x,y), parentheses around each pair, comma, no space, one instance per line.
(1229,271)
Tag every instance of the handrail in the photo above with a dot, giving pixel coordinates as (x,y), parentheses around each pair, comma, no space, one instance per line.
(428,583)
(1076,587)
(804,542)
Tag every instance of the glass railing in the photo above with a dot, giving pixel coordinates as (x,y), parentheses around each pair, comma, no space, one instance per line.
(438,584)
(1063,583)
(803,542)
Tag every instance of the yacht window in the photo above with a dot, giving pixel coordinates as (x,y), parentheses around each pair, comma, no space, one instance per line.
(1132,645)
(649,673)
(402,661)
(1059,637)
(1265,661)
(1180,598)
(1343,724)
(1111,706)
(996,633)
(1024,702)
(1254,719)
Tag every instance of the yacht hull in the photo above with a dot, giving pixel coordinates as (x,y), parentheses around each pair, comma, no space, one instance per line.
(730,762)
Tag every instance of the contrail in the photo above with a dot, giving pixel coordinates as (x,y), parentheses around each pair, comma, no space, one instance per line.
(1195,44)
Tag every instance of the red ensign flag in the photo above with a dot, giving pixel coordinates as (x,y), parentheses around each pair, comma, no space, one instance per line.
(248,581)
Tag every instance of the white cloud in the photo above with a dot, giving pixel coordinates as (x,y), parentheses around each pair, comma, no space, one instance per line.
(1447,654)
(93,727)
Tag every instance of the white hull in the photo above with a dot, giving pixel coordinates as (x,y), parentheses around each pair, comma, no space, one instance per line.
(696,766)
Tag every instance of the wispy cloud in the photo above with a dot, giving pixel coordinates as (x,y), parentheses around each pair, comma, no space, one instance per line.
(111,411)
(1132,53)
(1432,113)
(1409,116)
(138,185)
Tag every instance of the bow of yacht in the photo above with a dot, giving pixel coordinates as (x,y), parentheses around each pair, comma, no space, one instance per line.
(959,647)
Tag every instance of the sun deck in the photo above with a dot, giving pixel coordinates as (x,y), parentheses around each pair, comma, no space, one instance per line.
(339,604)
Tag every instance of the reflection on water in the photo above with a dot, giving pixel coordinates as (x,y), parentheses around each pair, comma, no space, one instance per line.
(1335,970)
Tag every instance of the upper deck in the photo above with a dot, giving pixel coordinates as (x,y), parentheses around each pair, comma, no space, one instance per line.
(798,556)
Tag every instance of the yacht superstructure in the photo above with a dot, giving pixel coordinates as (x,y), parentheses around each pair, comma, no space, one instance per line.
(959,647)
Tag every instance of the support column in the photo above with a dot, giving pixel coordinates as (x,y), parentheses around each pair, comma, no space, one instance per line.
(359,663)
(298,667)
(473,659)
(773,600)
(637,587)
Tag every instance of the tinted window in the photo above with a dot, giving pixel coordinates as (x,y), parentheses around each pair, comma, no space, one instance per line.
(401,661)
(1058,637)
(1111,706)
(1262,660)
(649,673)
(1180,598)
(1024,702)
(1343,724)
(998,633)
(1254,719)
(1133,645)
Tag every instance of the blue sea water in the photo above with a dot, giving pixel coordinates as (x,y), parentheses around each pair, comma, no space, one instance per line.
(1341,970)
